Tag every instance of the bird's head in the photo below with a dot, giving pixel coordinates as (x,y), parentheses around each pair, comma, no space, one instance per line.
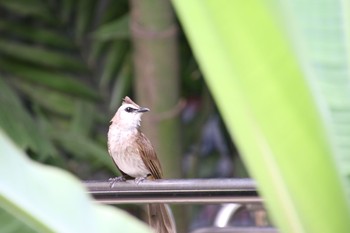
(129,114)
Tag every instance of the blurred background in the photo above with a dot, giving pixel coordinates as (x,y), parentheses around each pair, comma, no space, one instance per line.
(278,71)
(65,67)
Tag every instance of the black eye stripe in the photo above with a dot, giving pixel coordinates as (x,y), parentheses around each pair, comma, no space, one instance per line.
(128,109)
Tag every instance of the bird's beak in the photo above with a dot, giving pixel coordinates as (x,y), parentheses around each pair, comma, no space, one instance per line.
(143,110)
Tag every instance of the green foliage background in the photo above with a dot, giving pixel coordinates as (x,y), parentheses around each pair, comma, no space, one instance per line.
(61,63)
(65,65)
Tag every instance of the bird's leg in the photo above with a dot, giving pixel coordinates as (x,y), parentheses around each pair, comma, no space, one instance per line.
(114,180)
(140,179)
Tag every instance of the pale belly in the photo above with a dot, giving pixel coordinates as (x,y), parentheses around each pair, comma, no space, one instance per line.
(125,155)
(130,164)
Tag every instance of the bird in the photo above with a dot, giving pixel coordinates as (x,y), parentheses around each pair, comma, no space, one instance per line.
(135,158)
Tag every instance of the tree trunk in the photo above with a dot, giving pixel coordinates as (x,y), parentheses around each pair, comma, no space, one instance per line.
(154,35)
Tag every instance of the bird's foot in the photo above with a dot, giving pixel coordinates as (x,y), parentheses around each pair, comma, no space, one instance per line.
(113,181)
(138,180)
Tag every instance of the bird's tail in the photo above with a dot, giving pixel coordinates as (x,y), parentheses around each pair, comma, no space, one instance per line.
(160,218)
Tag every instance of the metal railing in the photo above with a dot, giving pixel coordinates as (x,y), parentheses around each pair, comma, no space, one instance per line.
(184,191)
(176,191)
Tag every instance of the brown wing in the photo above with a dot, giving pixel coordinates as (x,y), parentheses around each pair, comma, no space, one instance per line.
(149,156)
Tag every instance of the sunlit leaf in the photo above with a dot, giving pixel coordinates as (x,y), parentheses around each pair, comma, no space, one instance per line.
(65,207)
(9,224)
(264,99)
(321,38)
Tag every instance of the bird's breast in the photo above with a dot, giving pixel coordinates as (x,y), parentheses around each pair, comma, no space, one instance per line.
(123,149)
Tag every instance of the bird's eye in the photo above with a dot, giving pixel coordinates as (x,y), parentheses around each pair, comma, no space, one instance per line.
(128,109)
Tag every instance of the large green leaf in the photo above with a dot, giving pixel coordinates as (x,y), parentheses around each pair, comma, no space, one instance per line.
(267,106)
(324,53)
(38,198)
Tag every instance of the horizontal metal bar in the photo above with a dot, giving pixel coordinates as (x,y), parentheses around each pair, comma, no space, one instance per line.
(176,191)
(236,230)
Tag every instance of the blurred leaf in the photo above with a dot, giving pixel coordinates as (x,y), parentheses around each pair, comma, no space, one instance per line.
(83,16)
(114,59)
(9,224)
(49,99)
(115,10)
(83,118)
(37,34)
(34,8)
(48,213)
(84,148)
(122,85)
(96,51)
(67,8)
(263,97)
(116,29)
(19,125)
(56,67)
(50,79)
(324,53)
(41,56)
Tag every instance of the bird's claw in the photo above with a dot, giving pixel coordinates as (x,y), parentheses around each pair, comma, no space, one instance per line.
(113,181)
(138,180)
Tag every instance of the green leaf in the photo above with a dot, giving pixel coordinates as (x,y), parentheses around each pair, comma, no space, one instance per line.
(40,56)
(116,29)
(10,224)
(96,52)
(83,118)
(83,17)
(51,79)
(66,9)
(325,55)
(19,125)
(34,8)
(114,10)
(25,203)
(264,99)
(37,34)
(84,148)
(114,59)
(122,85)
(51,100)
